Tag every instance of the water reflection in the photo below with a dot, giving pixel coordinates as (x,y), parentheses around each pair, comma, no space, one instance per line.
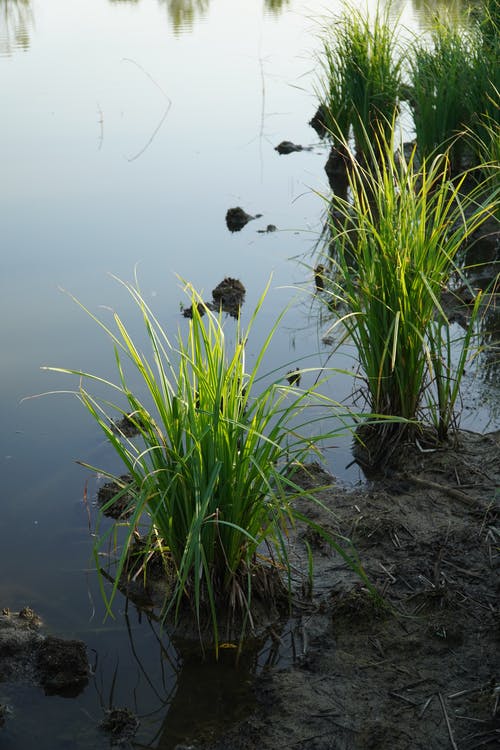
(16,21)
(275,6)
(428,10)
(183,13)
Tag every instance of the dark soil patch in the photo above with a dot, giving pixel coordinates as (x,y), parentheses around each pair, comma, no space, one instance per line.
(423,670)
(59,666)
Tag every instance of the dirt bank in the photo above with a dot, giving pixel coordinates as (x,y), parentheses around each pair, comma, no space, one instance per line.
(423,672)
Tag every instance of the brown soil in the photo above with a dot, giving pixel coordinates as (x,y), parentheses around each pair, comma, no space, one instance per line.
(423,671)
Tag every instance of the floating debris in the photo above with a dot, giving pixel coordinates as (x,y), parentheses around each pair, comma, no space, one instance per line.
(293,377)
(236,219)
(287,147)
(268,229)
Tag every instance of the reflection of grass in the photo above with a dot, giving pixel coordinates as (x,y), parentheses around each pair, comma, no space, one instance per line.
(213,470)
(405,226)
(16,17)
(183,13)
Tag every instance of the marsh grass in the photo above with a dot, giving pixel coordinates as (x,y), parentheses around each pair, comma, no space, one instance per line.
(212,471)
(361,77)
(406,229)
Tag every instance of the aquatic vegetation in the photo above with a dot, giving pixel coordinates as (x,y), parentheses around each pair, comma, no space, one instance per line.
(211,474)
(361,77)
(406,225)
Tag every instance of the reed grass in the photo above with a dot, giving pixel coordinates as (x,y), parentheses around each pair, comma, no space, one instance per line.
(405,231)
(212,471)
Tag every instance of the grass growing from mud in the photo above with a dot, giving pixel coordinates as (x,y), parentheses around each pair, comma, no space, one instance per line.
(211,473)
(404,228)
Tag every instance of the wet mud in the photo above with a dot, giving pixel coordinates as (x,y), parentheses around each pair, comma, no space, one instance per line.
(422,670)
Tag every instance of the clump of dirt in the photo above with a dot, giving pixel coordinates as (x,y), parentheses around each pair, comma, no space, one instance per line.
(287,147)
(237,218)
(228,296)
(63,666)
(130,425)
(422,671)
(121,724)
(59,666)
(122,506)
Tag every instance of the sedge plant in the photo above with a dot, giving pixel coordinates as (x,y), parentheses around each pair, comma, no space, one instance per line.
(212,470)
(406,229)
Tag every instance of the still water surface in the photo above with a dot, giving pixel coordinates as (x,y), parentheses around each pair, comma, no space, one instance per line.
(128,129)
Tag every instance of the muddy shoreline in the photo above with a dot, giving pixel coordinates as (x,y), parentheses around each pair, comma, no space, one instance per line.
(424,671)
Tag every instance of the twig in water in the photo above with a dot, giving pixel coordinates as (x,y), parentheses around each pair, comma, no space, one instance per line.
(163,117)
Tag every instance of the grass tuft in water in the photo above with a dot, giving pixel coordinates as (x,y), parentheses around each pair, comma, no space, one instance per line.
(405,228)
(361,77)
(212,471)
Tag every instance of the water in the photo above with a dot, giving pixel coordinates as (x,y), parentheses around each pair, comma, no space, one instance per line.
(128,129)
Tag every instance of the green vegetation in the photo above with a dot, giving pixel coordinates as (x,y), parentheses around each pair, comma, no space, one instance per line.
(361,78)
(451,79)
(212,471)
(403,230)
(442,90)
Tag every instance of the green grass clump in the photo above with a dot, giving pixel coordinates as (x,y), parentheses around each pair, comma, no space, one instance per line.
(361,77)
(211,473)
(454,84)
(405,228)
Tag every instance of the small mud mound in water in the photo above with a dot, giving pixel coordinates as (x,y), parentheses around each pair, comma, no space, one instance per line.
(229,295)
(287,147)
(237,218)
(200,306)
(129,425)
(59,666)
(122,506)
(121,724)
